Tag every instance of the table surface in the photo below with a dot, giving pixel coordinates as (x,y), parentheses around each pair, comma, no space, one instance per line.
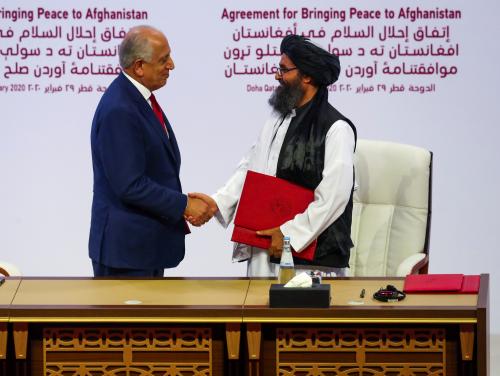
(128,300)
(346,306)
(346,292)
(88,292)
(215,300)
(7,292)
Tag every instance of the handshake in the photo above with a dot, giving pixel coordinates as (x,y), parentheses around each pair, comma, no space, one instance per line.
(200,208)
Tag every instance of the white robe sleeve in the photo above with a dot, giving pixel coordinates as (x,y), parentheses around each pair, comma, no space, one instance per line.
(332,194)
(228,196)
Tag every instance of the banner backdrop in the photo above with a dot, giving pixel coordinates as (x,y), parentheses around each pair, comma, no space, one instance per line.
(417,72)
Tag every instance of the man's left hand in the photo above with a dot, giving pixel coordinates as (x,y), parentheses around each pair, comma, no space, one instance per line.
(276,241)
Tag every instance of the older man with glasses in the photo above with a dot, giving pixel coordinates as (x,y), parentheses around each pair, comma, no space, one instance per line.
(138,222)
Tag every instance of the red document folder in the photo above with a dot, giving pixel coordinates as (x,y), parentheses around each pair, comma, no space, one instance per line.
(470,285)
(433,282)
(267,202)
(442,283)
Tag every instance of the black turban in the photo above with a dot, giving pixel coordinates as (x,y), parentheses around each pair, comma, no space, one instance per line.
(313,61)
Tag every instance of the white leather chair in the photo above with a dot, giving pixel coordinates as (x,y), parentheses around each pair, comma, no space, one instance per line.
(392,209)
(8,270)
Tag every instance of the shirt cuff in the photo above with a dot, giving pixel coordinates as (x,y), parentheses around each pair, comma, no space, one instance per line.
(296,243)
(223,216)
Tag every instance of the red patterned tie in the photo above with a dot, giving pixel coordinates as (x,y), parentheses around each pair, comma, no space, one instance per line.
(157,110)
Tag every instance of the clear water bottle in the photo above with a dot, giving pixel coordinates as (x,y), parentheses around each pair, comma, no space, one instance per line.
(287,268)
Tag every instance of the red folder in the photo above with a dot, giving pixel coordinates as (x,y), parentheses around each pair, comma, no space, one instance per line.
(267,202)
(470,284)
(433,282)
(441,283)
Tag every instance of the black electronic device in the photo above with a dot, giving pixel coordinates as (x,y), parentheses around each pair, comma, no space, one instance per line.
(390,294)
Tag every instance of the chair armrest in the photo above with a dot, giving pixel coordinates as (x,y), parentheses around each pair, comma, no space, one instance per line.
(411,264)
(7,269)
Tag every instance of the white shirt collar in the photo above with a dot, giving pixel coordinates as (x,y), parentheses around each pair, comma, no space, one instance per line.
(145,92)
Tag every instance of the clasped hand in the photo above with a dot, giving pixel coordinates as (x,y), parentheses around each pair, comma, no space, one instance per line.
(200,208)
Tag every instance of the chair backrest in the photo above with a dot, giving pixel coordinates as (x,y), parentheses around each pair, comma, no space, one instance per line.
(392,209)
(7,269)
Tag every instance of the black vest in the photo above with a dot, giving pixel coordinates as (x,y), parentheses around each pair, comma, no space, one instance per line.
(301,161)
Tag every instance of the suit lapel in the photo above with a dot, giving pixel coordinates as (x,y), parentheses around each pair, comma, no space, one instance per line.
(173,142)
(158,128)
(147,111)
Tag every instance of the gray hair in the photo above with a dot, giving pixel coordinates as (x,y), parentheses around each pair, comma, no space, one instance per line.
(136,45)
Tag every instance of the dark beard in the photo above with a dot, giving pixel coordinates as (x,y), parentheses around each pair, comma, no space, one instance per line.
(285,97)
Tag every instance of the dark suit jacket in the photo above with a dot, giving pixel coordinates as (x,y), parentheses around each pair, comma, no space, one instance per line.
(138,205)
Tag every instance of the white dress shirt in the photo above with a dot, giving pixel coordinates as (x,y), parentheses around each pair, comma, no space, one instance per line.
(145,92)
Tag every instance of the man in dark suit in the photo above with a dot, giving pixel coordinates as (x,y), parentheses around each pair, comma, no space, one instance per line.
(138,211)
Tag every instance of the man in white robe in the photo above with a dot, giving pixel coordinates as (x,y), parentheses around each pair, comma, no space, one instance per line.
(300,83)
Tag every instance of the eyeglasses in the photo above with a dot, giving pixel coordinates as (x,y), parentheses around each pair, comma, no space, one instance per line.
(281,71)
